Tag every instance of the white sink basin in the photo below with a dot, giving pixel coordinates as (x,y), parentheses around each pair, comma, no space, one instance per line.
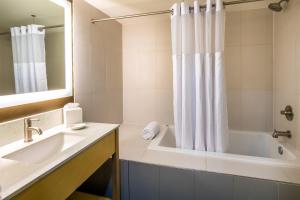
(44,149)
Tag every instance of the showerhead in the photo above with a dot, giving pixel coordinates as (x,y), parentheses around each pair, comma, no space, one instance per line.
(277,7)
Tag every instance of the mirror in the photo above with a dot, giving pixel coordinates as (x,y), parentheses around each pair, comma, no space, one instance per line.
(35,51)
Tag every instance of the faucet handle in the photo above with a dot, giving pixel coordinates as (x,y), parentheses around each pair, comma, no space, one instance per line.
(28,120)
(34,119)
(288,112)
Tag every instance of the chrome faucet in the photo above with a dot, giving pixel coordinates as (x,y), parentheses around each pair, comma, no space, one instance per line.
(28,129)
(276,133)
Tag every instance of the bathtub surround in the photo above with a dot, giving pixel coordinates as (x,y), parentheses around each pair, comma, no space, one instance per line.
(199,91)
(249,69)
(97,65)
(243,143)
(147,70)
(163,183)
(243,160)
(287,69)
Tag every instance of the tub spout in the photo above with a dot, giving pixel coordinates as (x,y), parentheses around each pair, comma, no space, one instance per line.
(276,133)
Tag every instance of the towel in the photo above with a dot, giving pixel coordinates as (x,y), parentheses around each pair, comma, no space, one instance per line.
(151,130)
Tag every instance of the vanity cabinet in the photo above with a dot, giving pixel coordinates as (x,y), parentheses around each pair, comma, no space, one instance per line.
(61,182)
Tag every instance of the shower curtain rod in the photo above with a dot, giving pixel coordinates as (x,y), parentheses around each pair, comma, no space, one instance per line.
(42,28)
(167,11)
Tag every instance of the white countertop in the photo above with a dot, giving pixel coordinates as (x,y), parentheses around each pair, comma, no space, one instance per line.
(16,176)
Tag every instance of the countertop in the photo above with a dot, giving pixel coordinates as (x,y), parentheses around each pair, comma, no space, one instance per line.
(16,176)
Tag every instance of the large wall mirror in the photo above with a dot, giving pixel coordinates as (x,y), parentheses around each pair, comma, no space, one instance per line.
(35,51)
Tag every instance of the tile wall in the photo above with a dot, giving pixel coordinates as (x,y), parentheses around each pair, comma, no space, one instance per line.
(287,69)
(147,65)
(147,71)
(249,69)
(97,65)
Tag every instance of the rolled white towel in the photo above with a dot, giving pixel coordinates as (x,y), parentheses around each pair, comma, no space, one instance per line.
(151,130)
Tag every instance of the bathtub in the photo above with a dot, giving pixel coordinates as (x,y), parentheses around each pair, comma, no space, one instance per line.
(252,154)
(245,143)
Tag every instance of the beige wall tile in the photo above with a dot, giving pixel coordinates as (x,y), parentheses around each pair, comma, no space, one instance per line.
(164,72)
(97,65)
(82,68)
(130,69)
(233,28)
(162,31)
(139,106)
(115,107)
(148,70)
(249,69)
(287,68)
(257,109)
(257,27)
(234,106)
(233,67)
(164,106)
(15,127)
(114,76)
(257,67)
(147,75)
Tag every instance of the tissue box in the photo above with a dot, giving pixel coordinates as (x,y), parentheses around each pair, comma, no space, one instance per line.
(72,116)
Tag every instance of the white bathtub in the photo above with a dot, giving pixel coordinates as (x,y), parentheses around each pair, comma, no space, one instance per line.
(243,143)
(253,154)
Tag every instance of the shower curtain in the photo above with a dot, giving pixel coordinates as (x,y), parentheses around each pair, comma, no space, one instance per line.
(199,101)
(28,46)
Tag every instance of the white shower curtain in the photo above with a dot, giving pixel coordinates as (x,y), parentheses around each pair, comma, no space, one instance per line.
(200,108)
(28,45)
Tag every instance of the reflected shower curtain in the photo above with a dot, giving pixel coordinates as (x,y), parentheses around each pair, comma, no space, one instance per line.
(28,45)
(200,108)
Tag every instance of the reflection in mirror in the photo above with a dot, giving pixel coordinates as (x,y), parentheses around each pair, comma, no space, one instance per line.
(32,52)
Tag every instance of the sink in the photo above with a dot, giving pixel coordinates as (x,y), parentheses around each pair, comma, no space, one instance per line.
(45,149)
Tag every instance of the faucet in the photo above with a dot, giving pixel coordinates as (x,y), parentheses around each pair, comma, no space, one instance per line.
(281,133)
(28,129)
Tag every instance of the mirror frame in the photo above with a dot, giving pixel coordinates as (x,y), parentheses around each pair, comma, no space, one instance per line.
(21,105)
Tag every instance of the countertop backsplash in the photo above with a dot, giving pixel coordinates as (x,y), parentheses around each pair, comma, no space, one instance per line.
(13,130)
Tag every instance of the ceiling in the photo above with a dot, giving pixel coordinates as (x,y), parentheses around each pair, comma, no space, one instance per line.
(125,7)
(18,12)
